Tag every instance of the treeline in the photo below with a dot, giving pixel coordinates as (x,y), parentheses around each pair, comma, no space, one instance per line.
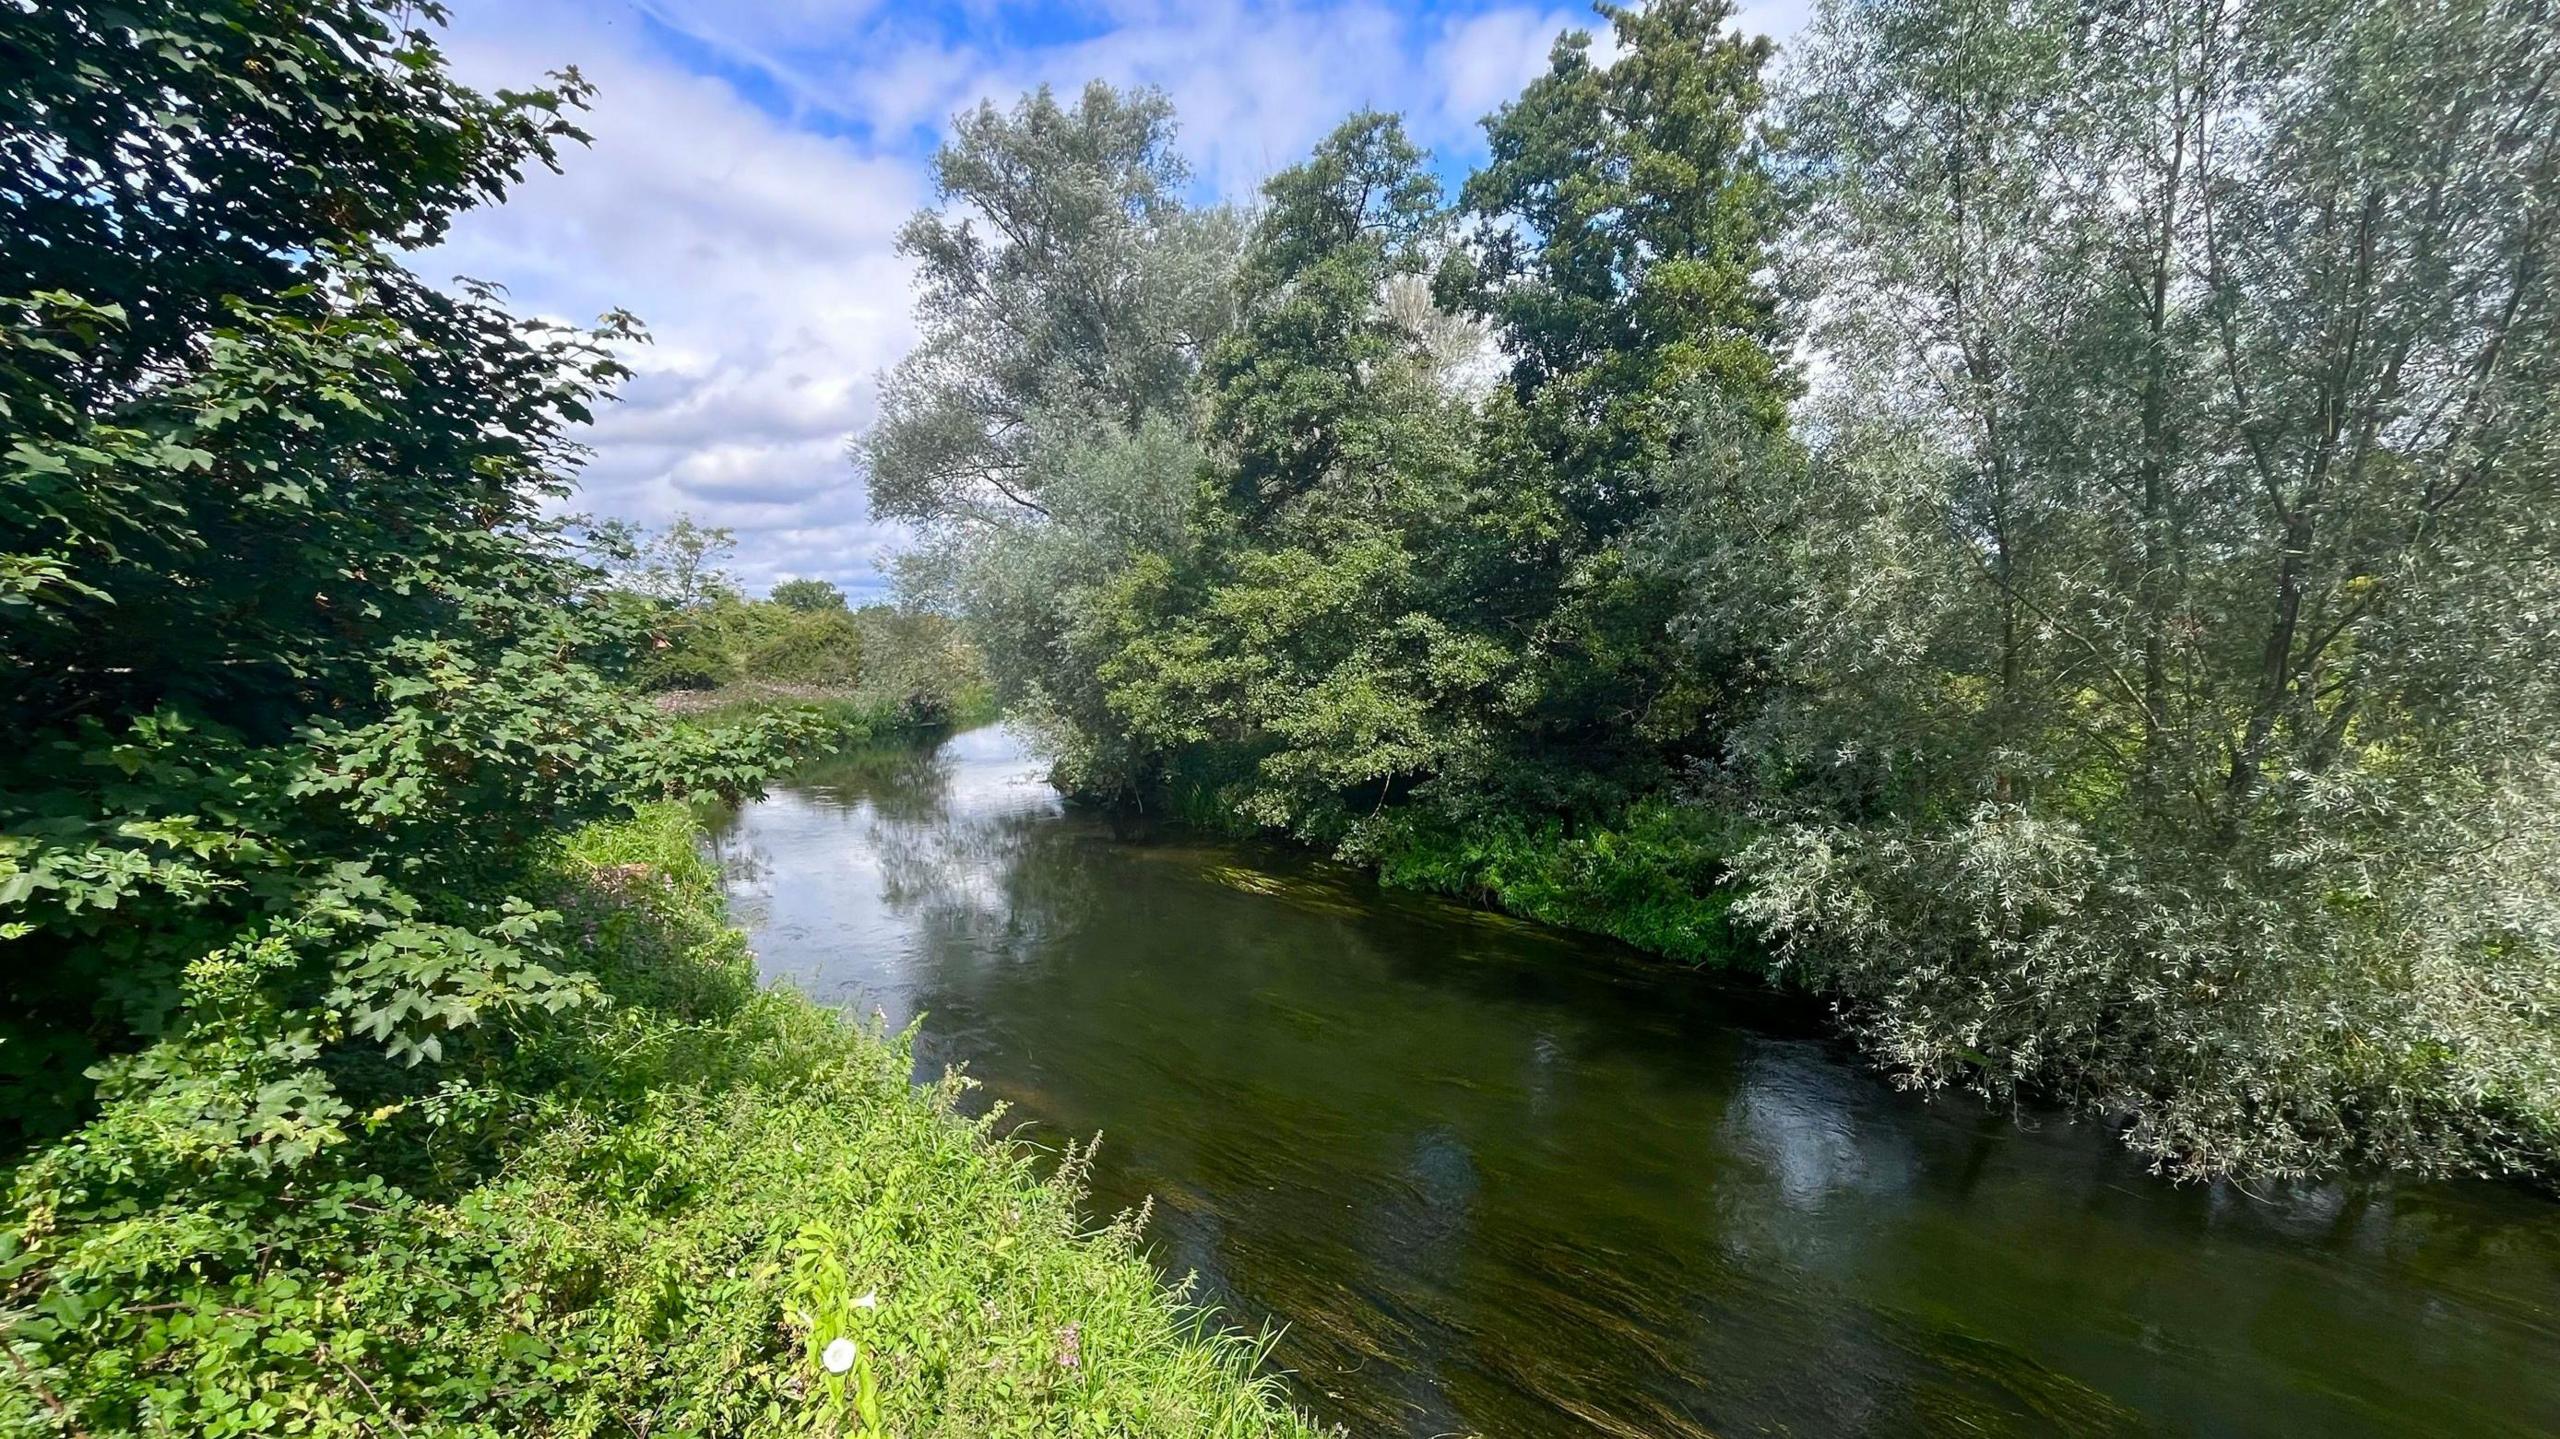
(2037,523)
(712,649)
(374,1058)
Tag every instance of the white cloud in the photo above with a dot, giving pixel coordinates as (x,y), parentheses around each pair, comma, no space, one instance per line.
(1483,60)
(762,258)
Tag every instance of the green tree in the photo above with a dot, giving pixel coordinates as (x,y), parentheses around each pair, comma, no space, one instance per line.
(1621,239)
(1089,295)
(2162,708)
(1620,244)
(808,596)
(1300,648)
(681,566)
(1302,392)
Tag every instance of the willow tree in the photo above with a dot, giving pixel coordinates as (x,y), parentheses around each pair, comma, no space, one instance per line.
(1062,283)
(2164,621)
(1039,436)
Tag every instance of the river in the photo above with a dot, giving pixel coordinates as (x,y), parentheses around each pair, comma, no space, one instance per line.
(1499,1180)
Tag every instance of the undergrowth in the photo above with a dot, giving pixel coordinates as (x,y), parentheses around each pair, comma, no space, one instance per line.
(1655,878)
(652,1217)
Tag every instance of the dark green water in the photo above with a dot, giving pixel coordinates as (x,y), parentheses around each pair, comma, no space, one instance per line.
(1500,1181)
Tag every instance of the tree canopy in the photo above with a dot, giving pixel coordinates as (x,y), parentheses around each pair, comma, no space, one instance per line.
(2037,526)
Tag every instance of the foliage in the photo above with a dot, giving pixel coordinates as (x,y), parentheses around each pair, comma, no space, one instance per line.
(1301,636)
(680,566)
(1622,222)
(822,647)
(2162,700)
(649,1214)
(284,606)
(803,645)
(808,595)
(1088,298)
(1656,878)
(2048,531)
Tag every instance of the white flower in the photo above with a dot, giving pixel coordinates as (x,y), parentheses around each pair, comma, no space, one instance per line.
(870,1300)
(838,1356)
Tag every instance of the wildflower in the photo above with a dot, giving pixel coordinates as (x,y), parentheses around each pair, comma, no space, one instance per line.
(838,1356)
(1070,1346)
(869,1300)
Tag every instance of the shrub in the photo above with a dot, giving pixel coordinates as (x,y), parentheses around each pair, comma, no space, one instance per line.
(1659,878)
(822,648)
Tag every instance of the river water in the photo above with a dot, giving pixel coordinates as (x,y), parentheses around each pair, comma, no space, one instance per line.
(1497,1180)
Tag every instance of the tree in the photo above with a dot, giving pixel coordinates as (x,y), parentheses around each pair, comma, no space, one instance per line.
(1089,297)
(277,600)
(1300,647)
(1620,245)
(808,595)
(1620,241)
(2164,704)
(1302,392)
(679,567)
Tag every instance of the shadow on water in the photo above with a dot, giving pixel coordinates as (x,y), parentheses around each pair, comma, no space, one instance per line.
(1499,1180)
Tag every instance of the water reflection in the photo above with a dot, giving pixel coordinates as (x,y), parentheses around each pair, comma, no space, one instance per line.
(1504,1181)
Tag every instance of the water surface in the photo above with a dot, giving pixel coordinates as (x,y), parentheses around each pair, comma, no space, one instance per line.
(1498,1180)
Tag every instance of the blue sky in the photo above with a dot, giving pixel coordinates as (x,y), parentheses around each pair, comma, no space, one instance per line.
(753,162)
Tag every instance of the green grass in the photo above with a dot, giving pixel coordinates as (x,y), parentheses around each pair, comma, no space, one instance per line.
(646,1219)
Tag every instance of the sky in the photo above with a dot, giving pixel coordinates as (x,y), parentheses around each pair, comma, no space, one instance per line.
(753,160)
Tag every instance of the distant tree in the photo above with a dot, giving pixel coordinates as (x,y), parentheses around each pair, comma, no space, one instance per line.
(808,595)
(680,566)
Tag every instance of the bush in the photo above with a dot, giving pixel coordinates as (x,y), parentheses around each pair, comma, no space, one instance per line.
(681,667)
(822,648)
(2336,1001)
(1659,878)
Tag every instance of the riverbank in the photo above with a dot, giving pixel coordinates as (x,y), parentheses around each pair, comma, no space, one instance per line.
(655,1215)
(1499,1179)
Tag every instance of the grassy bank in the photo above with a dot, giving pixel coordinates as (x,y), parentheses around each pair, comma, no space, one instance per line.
(651,1217)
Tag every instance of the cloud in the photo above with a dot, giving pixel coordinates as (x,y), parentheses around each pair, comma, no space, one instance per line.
(760,254)
(753,162)
(1483,60)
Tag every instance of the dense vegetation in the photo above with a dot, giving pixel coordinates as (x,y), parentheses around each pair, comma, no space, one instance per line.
(2037,525)
(373,1059)
(882,666)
